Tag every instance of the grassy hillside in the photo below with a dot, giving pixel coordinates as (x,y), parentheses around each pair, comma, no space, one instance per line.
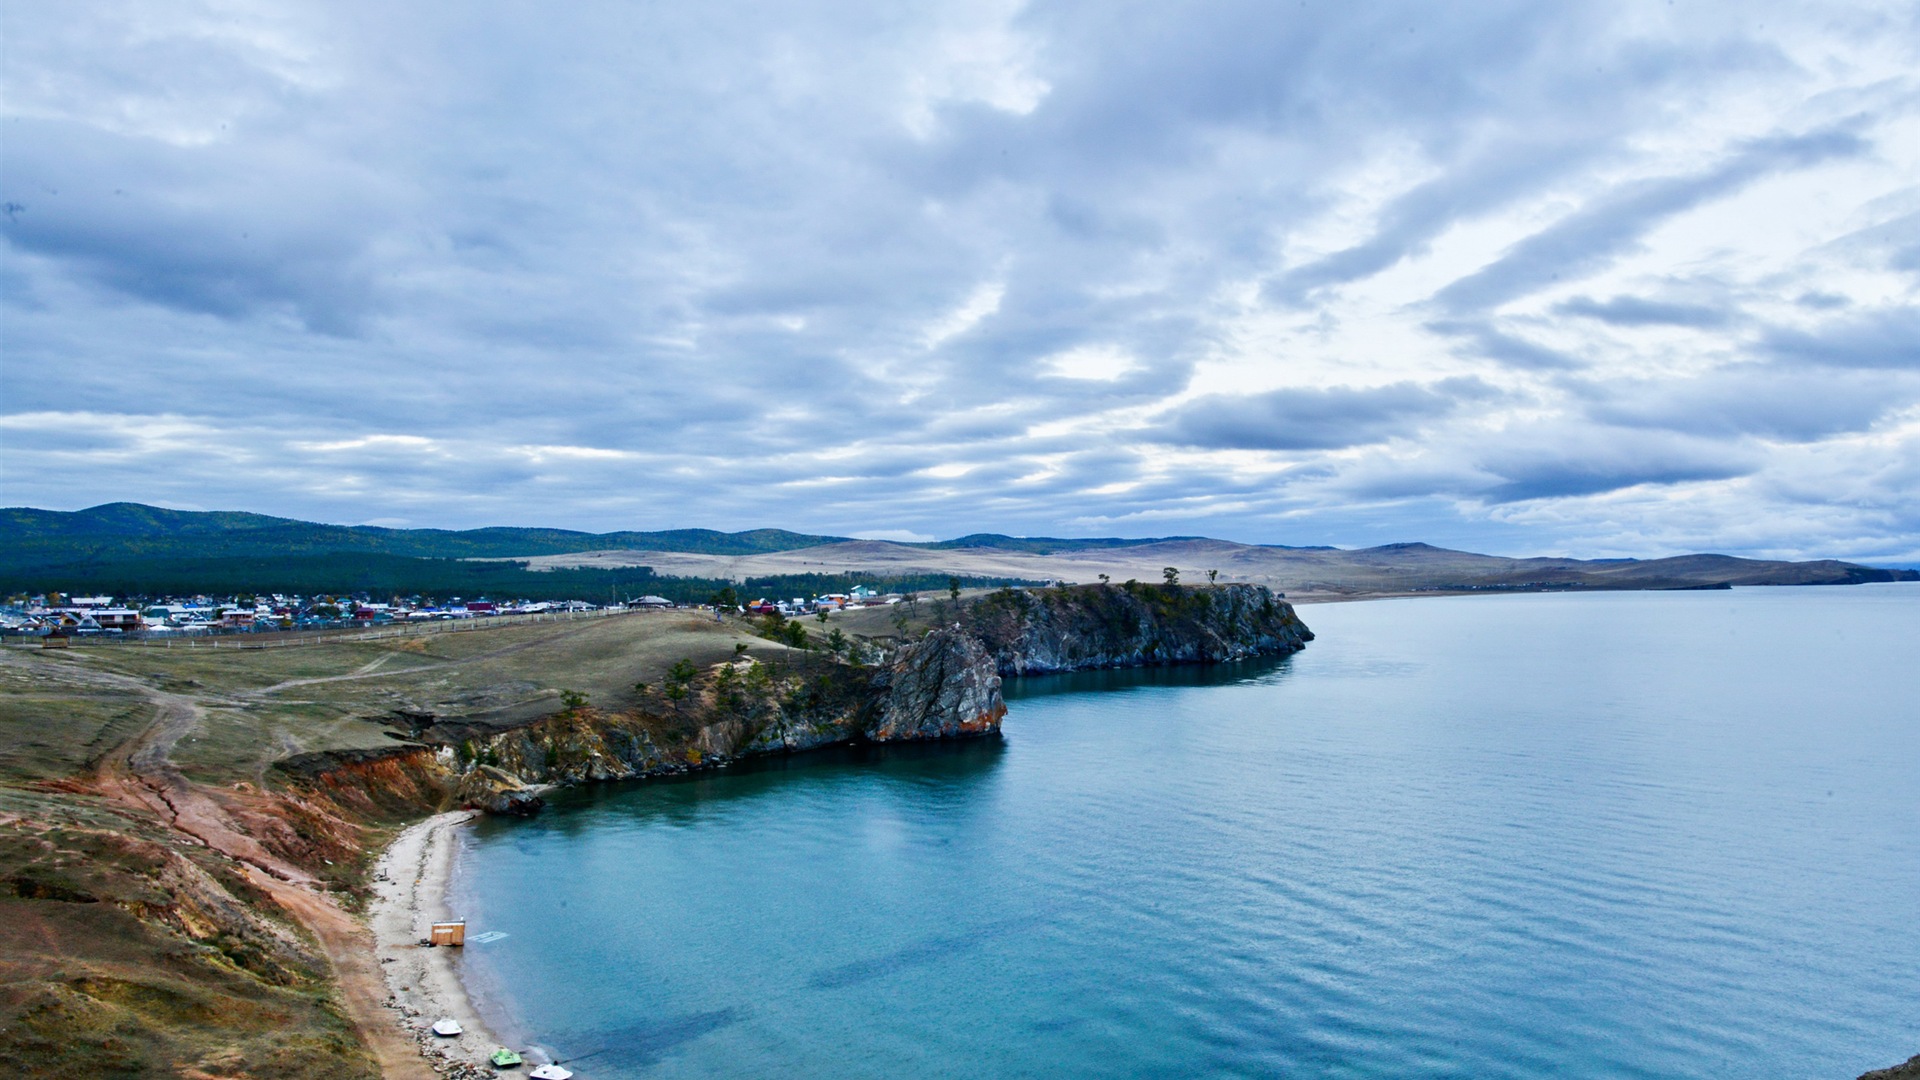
(129,947)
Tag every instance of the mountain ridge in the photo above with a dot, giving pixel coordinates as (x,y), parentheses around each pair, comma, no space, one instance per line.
(89,543)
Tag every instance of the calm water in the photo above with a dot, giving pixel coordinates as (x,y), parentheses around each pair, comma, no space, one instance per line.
(1659,835)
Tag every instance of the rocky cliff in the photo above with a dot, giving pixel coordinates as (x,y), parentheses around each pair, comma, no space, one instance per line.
(942,686)
(1132,625)
(945,684)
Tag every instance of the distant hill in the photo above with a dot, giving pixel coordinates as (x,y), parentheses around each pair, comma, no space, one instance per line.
(1052,545)
(123,547)
(1302,573)
(115,531)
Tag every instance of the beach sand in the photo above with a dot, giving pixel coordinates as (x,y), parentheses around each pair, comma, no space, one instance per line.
(410,888)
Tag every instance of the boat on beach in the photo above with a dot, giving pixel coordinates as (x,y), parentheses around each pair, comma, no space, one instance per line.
(550,1072)
(504,1058)
(446,1027)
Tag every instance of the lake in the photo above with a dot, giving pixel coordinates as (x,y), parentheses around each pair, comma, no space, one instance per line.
(1610,835)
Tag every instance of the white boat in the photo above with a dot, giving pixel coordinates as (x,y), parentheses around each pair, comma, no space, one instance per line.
(448,1028)
(550,1072)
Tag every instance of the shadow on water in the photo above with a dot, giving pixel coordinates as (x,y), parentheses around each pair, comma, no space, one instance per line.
(956,763)
(918,954)
(1264,669)
(638,1046)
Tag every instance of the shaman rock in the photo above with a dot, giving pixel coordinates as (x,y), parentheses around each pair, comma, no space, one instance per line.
(940,687)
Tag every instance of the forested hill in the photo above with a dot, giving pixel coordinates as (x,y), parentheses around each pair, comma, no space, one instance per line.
(119,531)
(116,532)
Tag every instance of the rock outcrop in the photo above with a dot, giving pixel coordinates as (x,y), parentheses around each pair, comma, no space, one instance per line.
(941,687)
(944,685)
(498,792)
(1133,625)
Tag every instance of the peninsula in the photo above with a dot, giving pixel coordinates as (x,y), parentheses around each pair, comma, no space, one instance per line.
(190,829)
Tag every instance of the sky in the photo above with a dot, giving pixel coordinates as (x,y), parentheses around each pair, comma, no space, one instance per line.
(1600,279)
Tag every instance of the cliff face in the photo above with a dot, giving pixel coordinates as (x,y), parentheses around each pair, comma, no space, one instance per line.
(1134,625)
(942,686)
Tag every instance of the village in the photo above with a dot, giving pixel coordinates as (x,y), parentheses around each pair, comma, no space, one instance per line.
(64,616)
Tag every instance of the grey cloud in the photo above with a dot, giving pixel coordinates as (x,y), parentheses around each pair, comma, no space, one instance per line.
(1593,235)
(1638,311)
(1600,461)
(706,240)
(1316,419)
(1822,301)
(1759,400)
(1884,338)
(1481,339)
(205,232)
(1893,242)
(1413,220)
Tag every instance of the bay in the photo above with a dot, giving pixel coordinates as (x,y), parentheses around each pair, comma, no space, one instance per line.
(1612,835)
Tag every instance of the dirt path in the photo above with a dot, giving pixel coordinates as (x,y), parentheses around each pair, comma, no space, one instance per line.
(139,772)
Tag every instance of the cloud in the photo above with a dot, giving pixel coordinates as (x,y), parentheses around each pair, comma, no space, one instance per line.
(1615,223)
(1888,338)
(1311,273)
(1597,461)
(1481,339)
(1317,419)
(197,229)
(1638,311)
(1763,401)
(903,536)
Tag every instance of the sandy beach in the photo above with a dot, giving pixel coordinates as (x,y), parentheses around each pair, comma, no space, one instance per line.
(410,886)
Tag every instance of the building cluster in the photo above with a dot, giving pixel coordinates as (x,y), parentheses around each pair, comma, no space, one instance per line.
(87,615)
(861,596)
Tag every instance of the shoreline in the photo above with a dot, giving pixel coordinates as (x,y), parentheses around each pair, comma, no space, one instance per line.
(423,984)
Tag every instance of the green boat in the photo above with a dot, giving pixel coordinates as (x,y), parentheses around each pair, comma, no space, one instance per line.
(504,1058)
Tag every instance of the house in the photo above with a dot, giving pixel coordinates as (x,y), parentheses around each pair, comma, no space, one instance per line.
(111,618)
(650,602)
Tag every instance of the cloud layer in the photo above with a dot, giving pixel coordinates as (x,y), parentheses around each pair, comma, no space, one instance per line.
(1583,278)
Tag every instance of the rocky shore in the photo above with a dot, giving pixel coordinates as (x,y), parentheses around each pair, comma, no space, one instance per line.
(942,684)
(1133,625)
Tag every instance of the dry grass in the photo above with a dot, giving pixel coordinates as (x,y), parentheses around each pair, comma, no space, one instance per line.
(113,962)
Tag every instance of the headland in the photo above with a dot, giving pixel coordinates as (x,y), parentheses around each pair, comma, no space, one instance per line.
(233,799)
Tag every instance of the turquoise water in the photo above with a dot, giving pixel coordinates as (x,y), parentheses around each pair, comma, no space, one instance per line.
(1618,835)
